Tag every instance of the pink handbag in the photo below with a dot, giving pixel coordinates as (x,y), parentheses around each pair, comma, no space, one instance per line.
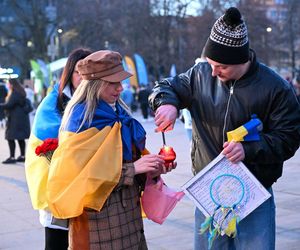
(158,200)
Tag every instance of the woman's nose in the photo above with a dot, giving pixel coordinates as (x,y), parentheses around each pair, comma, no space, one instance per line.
(119,87)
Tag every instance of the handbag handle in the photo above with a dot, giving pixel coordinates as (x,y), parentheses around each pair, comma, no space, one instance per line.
(156,181)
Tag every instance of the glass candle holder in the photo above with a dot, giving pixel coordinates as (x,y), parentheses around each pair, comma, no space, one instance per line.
(168,153)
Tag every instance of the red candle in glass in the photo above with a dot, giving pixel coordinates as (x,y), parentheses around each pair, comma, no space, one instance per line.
(168,153)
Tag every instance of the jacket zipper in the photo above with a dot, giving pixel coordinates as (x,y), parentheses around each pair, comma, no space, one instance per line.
(227,108)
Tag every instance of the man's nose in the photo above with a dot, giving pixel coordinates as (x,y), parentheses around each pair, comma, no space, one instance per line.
(214,71)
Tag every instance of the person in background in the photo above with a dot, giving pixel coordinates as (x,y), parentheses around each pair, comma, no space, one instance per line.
(187,120)
(17,125)
(101,145)
(143,95)
(29,94)
(46,125)
(222,94)
(127,96)
(3,94)
(135,102)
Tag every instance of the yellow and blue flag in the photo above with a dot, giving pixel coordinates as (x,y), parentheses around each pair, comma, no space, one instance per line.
(45,125)
(87,164)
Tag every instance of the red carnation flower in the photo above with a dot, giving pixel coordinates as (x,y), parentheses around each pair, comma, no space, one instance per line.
(47,148)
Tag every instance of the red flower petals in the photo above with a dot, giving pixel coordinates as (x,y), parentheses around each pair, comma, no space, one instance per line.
(48,146)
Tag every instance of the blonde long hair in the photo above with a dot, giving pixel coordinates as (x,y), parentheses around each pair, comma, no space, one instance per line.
(88,92)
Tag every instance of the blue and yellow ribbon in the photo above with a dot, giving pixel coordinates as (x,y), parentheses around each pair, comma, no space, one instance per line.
(247,132)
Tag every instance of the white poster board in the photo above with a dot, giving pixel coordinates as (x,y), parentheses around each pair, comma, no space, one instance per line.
(223,179)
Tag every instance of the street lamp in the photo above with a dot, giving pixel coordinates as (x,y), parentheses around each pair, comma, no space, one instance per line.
(59,41)
(269,29)
(106,44)
(29,44)
(266,40)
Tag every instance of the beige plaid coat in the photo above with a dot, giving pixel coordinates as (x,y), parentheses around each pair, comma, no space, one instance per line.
(119,224)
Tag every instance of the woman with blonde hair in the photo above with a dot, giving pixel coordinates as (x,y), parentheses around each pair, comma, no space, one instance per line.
(97,172)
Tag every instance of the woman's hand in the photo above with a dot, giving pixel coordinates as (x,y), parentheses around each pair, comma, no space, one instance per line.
(149,163)
(164,169)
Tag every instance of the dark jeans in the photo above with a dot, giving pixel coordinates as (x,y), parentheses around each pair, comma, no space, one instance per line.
(56,239)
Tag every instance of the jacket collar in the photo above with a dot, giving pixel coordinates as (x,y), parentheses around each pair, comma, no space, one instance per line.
(67,91)
(253,66)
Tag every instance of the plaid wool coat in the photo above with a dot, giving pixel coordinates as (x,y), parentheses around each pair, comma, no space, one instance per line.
(119,224)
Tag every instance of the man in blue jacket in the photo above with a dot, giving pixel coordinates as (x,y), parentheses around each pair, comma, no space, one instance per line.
(221,95)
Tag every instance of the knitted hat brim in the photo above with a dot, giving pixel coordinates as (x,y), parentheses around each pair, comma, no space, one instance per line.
(225,54)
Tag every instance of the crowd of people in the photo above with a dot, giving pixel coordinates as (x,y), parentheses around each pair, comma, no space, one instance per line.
(88,190)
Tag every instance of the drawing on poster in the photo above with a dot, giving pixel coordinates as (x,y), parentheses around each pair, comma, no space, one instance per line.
(223,190)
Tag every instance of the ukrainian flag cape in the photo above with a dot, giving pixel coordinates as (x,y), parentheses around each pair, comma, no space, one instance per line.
(87,164)
(45,125)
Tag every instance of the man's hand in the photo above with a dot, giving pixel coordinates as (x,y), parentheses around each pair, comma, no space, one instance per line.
(165,117)
(233,151)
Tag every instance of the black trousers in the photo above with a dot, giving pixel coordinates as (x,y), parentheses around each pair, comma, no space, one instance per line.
(12,147)
(56,239)
(145,110)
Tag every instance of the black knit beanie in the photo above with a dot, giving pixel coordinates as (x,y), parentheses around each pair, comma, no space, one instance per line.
(228,41)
